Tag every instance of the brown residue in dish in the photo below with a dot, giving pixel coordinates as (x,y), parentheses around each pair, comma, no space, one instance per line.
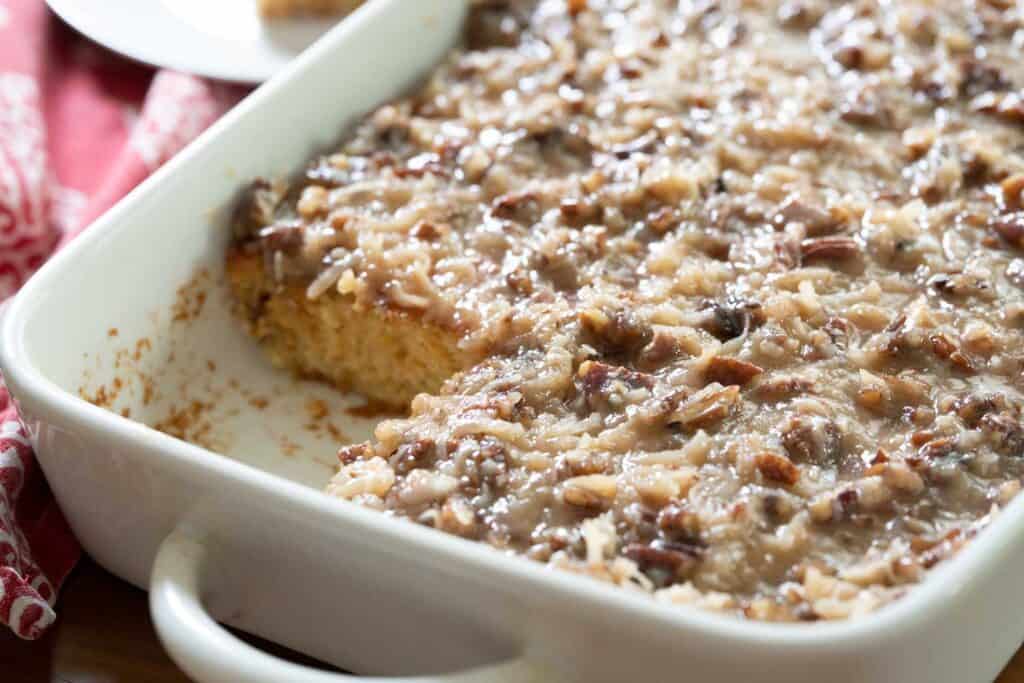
(316,408)
(189,423)
(375,409)
(141,346)
(288,447)
(191,297)
(336,433)
(100,397)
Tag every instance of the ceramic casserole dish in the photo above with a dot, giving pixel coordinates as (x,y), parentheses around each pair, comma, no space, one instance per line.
(244,535)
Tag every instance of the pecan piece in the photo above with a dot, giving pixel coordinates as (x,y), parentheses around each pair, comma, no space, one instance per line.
(829,248)
(848,500)
(578,212)
(1006,434)
(1006,106)
(596,378)
(515,205)
(730,371)
(781,388)
(615,332)
(668,558)
(410,456)
(777,468)
(663,348)
(428,231)
(576,6)
(1011,188)
(973,407)
(979,77)
(1010,227)
(944,348)
(676,521)
(812,439)
(357,451)
(663,219)
(799,14)
(707,407)
(937,448)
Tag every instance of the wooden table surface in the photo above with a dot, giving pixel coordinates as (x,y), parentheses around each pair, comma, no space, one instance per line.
(104,635)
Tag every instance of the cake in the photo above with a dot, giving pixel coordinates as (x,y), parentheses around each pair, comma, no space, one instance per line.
(719,301)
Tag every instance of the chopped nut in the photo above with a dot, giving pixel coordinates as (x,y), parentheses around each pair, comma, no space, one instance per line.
(349,454)
(1007,106)
(707,407)
(944,348)
(678,522)
(580,211)
(777,468)
(1010,227)
(667,556)
(1012,187)
(615,332)
(811,439)
(829,248)
(1006,433)
(781,388)
(515,206)
(937,448)
(729,371)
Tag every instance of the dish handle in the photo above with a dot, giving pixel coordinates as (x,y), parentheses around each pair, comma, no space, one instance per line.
(209,653)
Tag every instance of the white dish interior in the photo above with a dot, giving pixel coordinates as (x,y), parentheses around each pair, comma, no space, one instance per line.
(190,372)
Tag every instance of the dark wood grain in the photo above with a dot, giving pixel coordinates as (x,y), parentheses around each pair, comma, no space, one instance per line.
(1014,671)
(104,635)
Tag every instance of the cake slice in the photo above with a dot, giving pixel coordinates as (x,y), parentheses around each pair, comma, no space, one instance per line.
(387,355)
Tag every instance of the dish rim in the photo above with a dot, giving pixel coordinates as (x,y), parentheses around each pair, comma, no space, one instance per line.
(59,406)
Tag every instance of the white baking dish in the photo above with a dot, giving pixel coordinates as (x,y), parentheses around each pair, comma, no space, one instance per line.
(249,537)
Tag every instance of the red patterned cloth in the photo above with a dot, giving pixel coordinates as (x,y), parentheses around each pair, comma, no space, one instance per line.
(79,128)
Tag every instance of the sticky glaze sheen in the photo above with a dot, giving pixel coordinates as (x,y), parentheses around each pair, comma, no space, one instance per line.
(747,277)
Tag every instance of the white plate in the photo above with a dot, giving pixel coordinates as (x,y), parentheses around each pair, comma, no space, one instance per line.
(223,39)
